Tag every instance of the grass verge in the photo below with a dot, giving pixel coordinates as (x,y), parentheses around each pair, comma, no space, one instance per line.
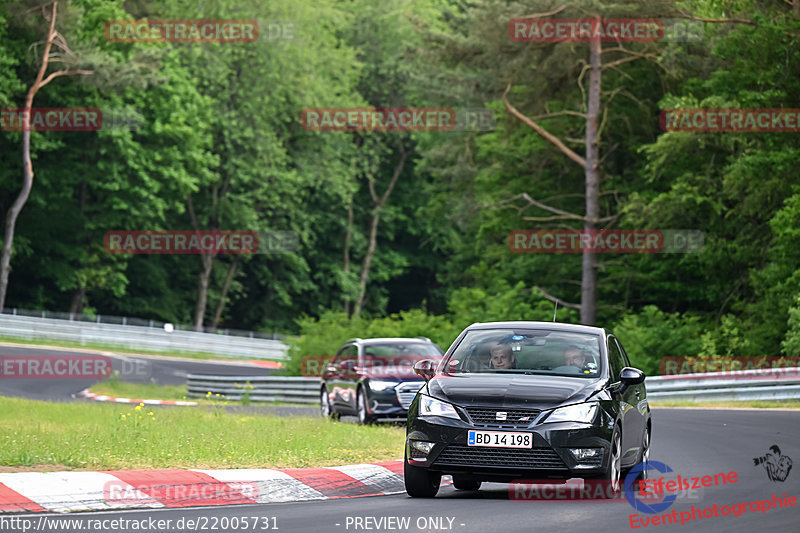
(100,436)
(760,404)
(120,350)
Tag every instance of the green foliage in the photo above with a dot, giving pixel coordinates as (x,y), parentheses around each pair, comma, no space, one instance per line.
(653,334)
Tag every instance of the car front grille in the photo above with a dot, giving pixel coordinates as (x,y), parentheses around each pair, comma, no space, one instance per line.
(533,459)
(407,391)
(515,418)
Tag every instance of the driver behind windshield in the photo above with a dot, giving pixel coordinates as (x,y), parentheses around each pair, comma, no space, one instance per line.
(573,356)
(502,357)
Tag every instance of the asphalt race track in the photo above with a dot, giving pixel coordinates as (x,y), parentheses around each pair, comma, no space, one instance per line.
(136,369)
(693,442)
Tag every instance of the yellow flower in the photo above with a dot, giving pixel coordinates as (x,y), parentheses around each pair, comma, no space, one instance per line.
(137,408)
(150,413)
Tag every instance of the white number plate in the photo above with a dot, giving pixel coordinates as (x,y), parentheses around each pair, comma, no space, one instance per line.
(499,439)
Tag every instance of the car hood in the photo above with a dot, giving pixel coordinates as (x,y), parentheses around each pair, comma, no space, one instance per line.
(513,390)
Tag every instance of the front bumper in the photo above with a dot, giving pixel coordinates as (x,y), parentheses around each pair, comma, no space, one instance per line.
(550,457)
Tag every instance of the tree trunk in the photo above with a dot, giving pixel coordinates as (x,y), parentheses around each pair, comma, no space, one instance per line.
(27,165)
(224,294)
(348,235)
(76,306)
(589,270)
(202,290)
(373,230)
(365,266)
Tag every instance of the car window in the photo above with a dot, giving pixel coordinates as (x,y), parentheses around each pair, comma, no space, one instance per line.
(397,348)
(530,351)
(624,353)
(615,358)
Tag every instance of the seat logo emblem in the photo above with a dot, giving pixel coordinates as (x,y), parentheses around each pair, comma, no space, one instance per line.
(501,415)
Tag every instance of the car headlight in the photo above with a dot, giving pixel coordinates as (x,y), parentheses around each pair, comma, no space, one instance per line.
(582,412)
(432,407)
(378,385)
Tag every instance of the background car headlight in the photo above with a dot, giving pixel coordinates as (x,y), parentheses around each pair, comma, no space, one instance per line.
(582,412)
(378,385)
(432,407)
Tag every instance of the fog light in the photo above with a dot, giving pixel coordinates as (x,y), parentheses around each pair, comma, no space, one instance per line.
(588,456)
(420,449)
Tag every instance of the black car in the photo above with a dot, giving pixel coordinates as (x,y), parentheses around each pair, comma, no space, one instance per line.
(374,378)
(527,400)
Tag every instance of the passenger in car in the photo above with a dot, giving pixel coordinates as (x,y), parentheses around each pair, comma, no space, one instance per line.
(502,357)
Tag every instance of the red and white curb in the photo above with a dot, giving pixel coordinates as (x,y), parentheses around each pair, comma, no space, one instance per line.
(103,398)
(130,489)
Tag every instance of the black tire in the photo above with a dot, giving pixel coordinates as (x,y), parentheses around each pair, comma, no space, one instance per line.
(645,456)
(612,477)
(361,408)
(325,408)
(420,482)
(465,483)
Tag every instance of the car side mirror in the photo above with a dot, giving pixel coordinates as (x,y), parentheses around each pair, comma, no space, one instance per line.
(425,368)
(631,376)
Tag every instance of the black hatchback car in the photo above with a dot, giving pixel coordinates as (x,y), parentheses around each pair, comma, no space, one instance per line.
(527,400)
(374,378)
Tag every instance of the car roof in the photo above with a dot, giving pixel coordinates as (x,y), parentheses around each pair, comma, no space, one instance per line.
(378,340)
(554,326)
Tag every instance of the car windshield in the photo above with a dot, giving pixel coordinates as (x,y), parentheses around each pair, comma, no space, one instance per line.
(392,349)
(535,351)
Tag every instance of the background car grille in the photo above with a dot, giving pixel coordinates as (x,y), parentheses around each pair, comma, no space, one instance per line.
(487,417)
(406,392)
(536,458)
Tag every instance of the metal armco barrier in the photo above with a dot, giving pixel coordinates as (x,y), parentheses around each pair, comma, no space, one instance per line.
(258,388)
(139,337)
(741,385)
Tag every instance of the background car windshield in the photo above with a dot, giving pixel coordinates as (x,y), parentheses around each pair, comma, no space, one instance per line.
(394,349)
(538,351)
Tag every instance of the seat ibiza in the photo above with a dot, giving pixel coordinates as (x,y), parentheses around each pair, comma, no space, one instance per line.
(527,400)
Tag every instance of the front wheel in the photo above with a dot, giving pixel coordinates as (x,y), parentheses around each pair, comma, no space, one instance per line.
(420,482)
(361,406)
(325,408)
(610,479)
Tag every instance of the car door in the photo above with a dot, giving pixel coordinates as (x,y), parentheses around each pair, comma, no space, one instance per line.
(627,403)
(342,377)
(640,394)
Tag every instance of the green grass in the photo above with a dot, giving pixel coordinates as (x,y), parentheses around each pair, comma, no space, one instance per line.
(140,391)
(112,436)
(760,404)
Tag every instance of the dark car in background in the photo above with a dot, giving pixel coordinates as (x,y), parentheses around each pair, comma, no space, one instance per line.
(527,400)
(374,378)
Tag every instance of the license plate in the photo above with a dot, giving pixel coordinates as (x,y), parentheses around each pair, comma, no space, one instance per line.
(499,439)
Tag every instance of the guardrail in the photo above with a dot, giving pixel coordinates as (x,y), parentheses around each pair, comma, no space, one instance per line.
(257,388)
(743,385)
(740,385)
(139,337)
